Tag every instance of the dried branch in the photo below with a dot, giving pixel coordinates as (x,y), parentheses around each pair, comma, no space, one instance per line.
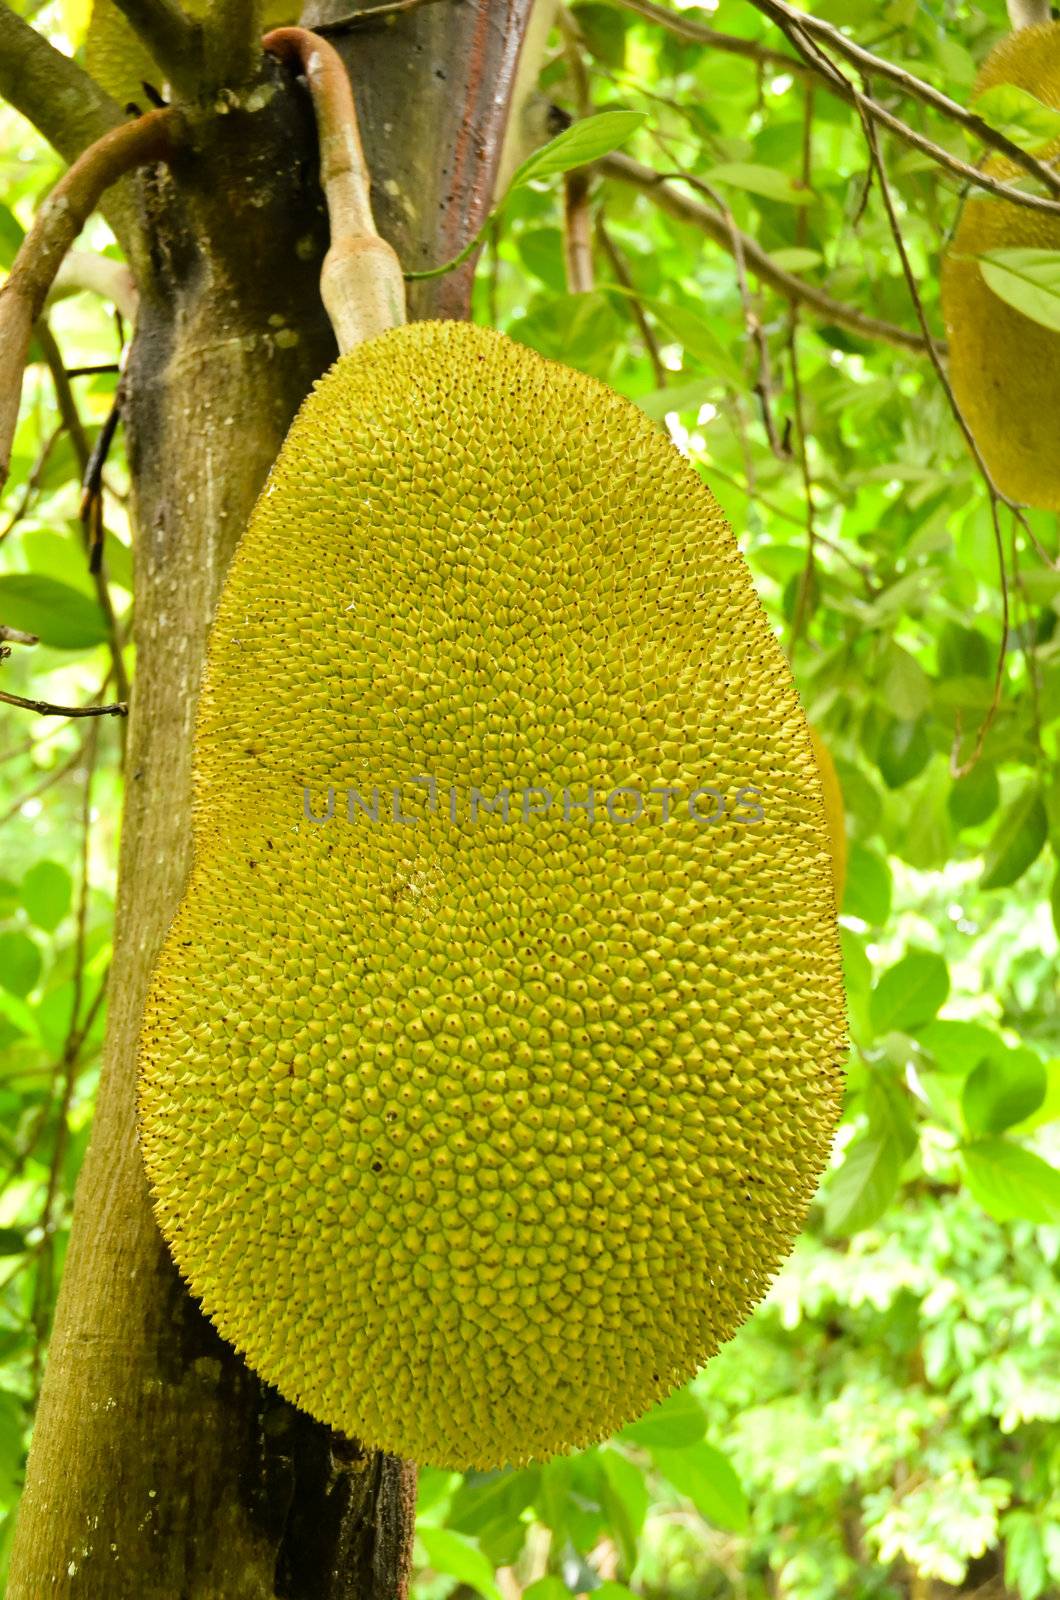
(659,186)
(61,218)
(577,232)
(44,708)
(795,23)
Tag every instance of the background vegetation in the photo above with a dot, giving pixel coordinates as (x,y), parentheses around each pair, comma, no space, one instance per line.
(887,1423)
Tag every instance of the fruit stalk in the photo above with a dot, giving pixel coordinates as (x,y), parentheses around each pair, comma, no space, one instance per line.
(361,282)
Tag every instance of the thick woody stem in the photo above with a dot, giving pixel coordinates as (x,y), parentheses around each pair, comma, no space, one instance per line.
(1028,13)
(60,220)
(361,283)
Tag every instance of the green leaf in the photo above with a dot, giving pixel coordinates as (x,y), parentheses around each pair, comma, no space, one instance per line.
(796,259)
(59,615)
(865,1184)
(974,797)
(459,1557)
(46,890)
(1000,1092)
(904,751)
(1011,1182)
(604,31)
(1054,901)
(547,1589)
(909,994)
(697,339)
(20,963)
(682,397)
(12,234)
(12,1242)
(709,1480)
(1027,279)
(586,140)
(625,1498)
(959,1046)
(1017,840)
(677,1421)
(769,182)
(868,887)
(1018,114)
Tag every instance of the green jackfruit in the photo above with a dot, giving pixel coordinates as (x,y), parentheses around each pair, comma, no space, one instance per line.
(1004,367)
(478,1133)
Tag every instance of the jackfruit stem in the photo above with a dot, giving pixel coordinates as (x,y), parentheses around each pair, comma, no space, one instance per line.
(1028,13)
(361,283)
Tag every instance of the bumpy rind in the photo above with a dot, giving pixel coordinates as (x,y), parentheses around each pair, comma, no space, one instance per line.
(479,1138)
(1004,367)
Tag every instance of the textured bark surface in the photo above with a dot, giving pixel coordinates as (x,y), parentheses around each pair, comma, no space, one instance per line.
(161,1468)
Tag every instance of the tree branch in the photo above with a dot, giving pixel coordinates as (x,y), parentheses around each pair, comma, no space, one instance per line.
(1028,13)
(231,41)
(659,186)
(58,223)
(172,38)
(51,91)
(787,17)
(63,103)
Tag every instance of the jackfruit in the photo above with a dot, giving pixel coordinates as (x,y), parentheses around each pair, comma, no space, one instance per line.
(834,812)
(479,1127)
(1004,367)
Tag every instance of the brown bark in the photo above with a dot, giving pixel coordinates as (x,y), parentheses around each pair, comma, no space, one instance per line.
(161,1467)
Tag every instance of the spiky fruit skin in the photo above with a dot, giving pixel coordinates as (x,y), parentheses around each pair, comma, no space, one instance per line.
(834,812)
(1004,367)
(479,1138)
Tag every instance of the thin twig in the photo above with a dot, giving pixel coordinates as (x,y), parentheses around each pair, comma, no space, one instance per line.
(763,385)
(44,708)
(691,32)
(31,485)
(50,778)
(92,508)
(75,1034)
(577,232)
(958,769)
(151,138)
(808,577)
(622,273)
(659,186)
(16,636)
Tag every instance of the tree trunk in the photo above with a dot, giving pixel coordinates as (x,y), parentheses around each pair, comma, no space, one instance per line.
(161,1467)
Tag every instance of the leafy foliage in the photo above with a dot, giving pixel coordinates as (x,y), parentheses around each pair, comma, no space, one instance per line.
(888,1420)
